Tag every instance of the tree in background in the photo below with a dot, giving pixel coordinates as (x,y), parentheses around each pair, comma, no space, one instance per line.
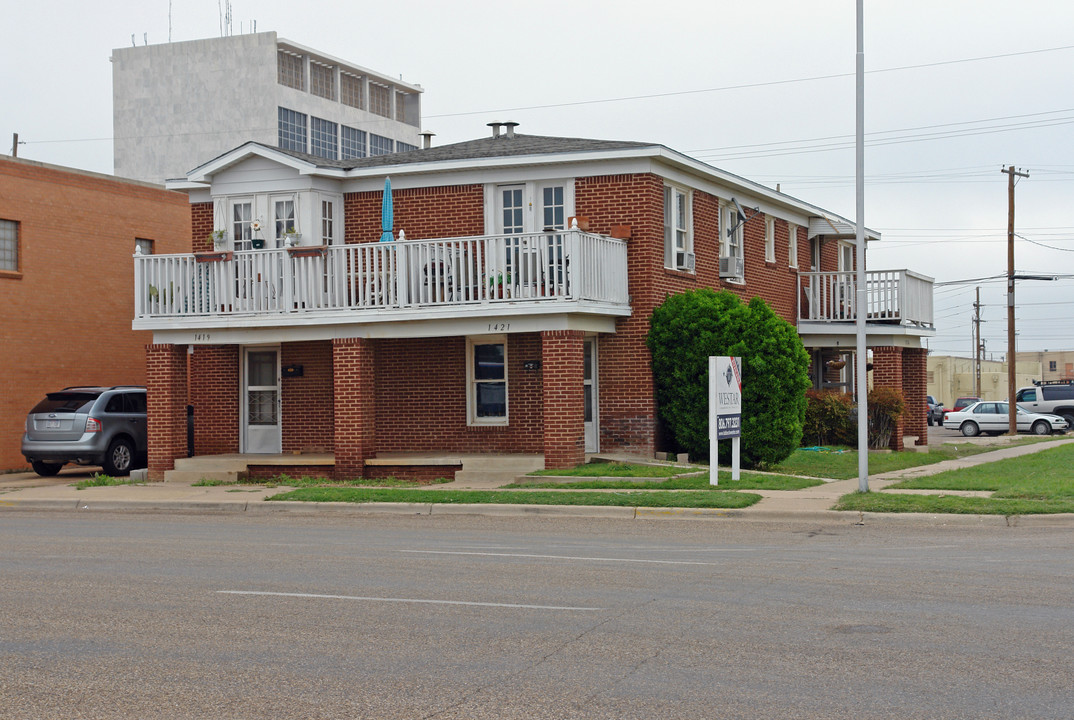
(690,327)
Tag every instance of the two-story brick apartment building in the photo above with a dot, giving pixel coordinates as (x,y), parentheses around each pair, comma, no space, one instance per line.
(66,241)
(512,317)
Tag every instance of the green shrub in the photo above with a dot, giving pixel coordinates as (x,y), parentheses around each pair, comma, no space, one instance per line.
(686,329)
(886,405)
(829,418)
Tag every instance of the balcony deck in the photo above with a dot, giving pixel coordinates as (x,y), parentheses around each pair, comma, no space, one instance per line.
(898,302)
(472,277)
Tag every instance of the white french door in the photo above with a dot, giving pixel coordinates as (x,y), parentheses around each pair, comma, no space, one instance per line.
(262,429)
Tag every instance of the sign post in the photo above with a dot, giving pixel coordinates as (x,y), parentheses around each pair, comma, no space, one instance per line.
(725,410)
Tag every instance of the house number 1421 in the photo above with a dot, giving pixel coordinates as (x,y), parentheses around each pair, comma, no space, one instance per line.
(499,327)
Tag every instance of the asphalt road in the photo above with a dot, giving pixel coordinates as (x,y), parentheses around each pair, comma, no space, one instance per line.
(155,616)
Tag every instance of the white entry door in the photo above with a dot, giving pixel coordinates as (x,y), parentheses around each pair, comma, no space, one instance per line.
(592,422)
(261,401)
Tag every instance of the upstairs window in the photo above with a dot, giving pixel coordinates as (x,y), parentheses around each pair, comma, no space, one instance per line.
(290,70)
(328,220)
(352,143)
(769,239)
(678,242)
(242,224)
(379,145)
(400,106)
(322,80)
(292,130)
(380,100)
(324,138)
(9,245)
(404,147)
(350,90)
(143,246)
(792,245)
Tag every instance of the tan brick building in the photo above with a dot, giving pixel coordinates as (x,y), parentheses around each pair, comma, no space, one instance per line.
(66,242)
(511,319)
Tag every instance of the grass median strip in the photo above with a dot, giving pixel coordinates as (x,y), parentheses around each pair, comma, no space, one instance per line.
(748,481)
(682,499)
(1026,485)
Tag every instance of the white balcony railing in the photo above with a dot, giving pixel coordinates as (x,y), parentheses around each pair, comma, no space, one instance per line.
(892,296)
(536,267)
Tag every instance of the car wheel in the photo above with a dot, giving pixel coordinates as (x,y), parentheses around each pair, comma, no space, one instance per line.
(120,457)
(970,429)
(1041,428)
(1069,417)
(46,469)
(929,419)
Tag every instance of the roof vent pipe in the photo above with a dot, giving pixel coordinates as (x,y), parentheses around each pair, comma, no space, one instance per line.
(510,128)
(495,128)
(427,139)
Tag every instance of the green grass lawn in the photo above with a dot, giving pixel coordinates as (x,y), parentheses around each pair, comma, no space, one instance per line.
(100,480)
(747,481)
(1031,484)
(307,481)
(617,469)
(680,499)
(842,463)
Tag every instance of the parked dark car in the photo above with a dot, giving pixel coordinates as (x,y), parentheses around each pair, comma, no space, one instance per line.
(934,413)
(103,426)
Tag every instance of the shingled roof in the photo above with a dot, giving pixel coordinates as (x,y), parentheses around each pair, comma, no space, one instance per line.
(517,146)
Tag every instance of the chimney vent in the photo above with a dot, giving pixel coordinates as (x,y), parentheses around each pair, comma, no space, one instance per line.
(510,128)
(427,139)
(495,128)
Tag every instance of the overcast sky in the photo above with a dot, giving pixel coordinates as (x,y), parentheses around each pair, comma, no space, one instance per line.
(955,89)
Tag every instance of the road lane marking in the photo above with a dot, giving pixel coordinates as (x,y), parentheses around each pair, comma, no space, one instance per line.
(564,557)
(404,600)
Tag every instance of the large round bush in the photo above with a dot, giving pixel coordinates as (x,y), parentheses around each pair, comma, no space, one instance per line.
(690,327)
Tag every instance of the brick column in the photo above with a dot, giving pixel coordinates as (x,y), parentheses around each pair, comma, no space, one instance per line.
(887,372)
(914,381)
(354,405)
(215,395)
(562,377)
(166,393)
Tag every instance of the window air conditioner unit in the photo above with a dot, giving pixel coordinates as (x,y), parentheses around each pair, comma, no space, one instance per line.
(731,267)
(684,261)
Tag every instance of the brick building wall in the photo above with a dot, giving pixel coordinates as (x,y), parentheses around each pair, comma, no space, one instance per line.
(307,414)
(888,372)
(214,393)
(562,372)
(430,212)
(166,393)
(354,405)
(69,307)
(201,227)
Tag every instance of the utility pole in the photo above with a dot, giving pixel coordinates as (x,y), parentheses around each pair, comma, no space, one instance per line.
(977,344)
(14,144)
(1012,407)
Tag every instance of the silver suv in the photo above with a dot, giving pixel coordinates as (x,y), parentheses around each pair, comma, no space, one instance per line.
(1053,397)
(89,426)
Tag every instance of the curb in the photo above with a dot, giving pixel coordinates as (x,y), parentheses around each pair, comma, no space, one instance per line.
(848,517)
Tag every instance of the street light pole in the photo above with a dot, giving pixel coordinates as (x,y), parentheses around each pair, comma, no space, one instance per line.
(861,381)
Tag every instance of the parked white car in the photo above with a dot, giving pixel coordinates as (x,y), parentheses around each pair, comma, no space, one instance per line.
(993,417)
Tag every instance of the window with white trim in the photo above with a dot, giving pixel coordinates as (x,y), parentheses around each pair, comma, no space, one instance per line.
(283,218)
(486,372)
(328,220)
(678,237)
(242,224)
(846,257)
(792,245)
(9,245)
(730,242)
(769,239)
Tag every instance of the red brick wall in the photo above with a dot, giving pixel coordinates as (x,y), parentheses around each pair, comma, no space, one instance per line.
(308,423)
(215,395)
(166,394)
(70,306)
(421,398)
(431,212)
(914,380)
(354,409)
(562,373)
(888,372)
(201,225)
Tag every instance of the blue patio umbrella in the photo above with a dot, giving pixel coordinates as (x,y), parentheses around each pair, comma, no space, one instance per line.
(386,212)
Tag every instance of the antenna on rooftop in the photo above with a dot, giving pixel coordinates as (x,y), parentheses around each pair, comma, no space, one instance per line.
(169,20)
(133,44)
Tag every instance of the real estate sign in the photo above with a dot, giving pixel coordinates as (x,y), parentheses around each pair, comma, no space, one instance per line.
(725,409)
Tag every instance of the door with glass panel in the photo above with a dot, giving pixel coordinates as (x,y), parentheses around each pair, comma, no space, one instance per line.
(589,384)
(261,400)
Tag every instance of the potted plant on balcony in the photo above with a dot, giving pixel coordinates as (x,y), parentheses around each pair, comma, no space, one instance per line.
(257,240)
(291,237)
(219,239)
(496,281)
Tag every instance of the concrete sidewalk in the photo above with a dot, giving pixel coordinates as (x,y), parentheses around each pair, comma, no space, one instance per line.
(27,491)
